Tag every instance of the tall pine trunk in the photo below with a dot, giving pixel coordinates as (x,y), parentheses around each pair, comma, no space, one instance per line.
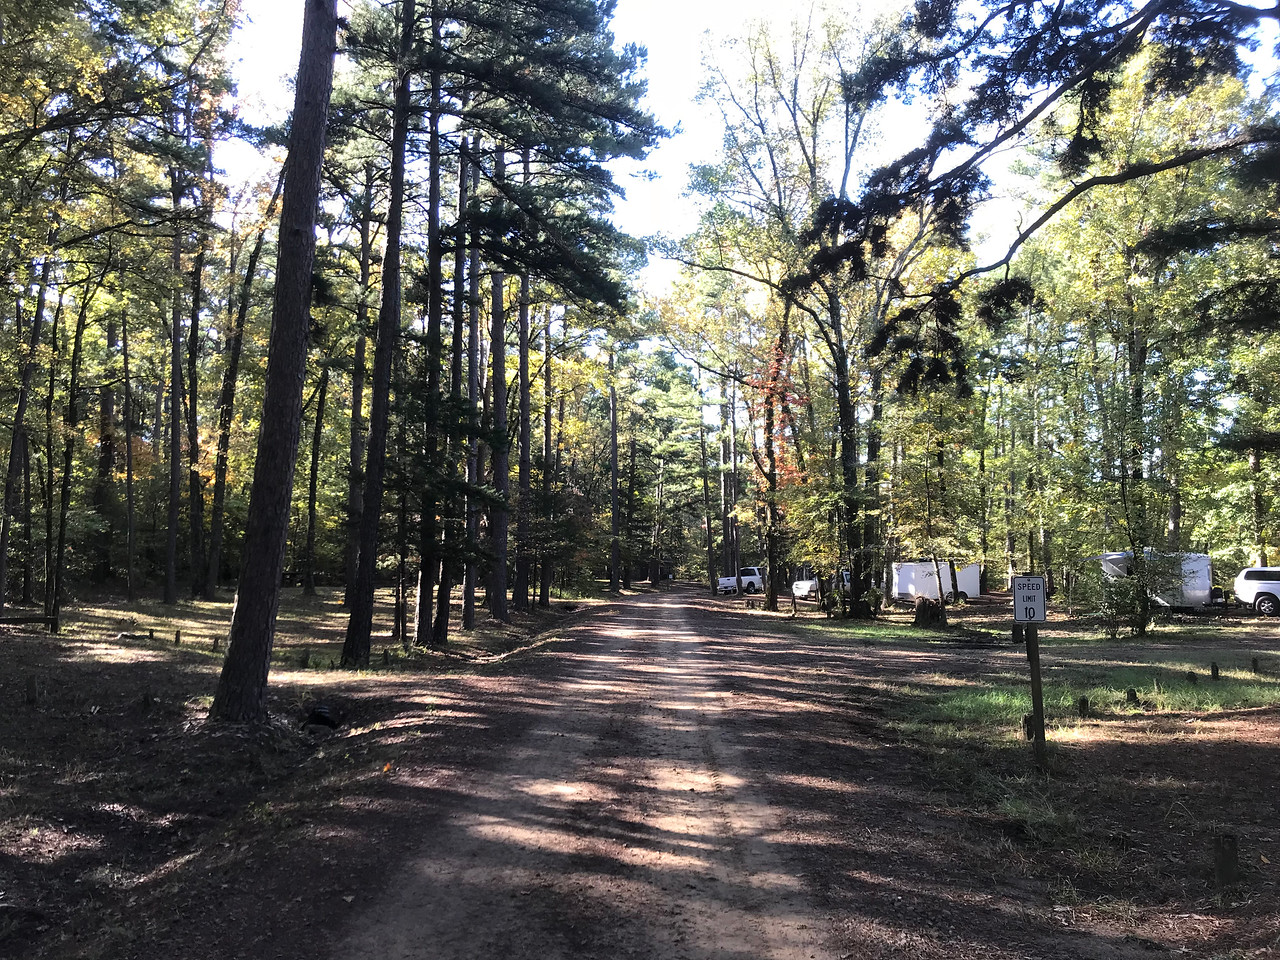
(500,512)
(70,433)
(195,486)
(520,589)
(548,473)
(18,437)
(355,649)
(615,519)
(104,478)
(470,574)
(452,538)
(130,513)
(355,444)
(241,692)
(175,404)
(227,402)
(429,533)
(313,487)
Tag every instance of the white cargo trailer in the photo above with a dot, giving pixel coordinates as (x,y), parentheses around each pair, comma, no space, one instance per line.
(1194,587)
(918,579)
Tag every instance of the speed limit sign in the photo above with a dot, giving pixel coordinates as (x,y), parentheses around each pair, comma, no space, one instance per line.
(1028,600)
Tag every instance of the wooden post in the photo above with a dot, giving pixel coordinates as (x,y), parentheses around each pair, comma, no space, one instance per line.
(1131,697)
(1226,860)
(1213,670)
(1037,695)
(177,638)
(1255,665)
(1082,705)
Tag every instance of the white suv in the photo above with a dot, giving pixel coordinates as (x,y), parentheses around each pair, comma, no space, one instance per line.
(1259,587)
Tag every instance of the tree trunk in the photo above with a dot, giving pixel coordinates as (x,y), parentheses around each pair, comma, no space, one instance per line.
(227,402)
(1259,510)
(473,417)
(355,649)
(706,504)
(18,436)
(241,692)
(195,486)
(175,406)
(50,501)
(104,478)
(628,521)
(429,531)
(520,588)
(355,454)
(131,526)
(615,519)
(453,540)
(501,447)
(70,433)
(317,434)
(544,586)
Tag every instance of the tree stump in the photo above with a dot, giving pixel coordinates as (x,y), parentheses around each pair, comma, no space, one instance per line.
(1028,726)
(306,659)
(386,657)
(1131,697)
(1226,860)
(928,612)
(1192,677)
(1082,706)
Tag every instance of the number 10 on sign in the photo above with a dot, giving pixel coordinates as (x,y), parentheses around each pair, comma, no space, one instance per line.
(1028,600)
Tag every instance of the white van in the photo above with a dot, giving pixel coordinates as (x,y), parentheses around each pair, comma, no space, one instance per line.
(1259,588)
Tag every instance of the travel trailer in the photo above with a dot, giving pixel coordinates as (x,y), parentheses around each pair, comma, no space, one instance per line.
(1196,584)
(918,579)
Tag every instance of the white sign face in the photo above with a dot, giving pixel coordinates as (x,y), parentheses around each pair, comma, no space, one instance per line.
(1028,600)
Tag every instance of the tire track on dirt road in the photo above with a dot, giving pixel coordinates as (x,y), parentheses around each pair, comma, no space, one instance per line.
(622,824)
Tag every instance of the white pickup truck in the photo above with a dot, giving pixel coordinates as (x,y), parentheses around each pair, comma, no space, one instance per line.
(752,581)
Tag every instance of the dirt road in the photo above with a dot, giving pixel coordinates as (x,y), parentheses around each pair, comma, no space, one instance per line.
(624,822)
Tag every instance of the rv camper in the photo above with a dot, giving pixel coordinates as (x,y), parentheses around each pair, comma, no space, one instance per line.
(911,580)
(1196,581)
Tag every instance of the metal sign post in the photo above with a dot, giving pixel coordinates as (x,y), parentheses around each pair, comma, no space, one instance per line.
(1029,608)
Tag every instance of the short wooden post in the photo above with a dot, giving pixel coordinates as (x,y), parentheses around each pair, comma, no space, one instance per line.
(1018,634)
(1131,697)
(1037,695)
(1226,860)
(1255,665)
(306,658)
(215,643)
(386,657)
(1082,706)
(1213,670)
(177,638)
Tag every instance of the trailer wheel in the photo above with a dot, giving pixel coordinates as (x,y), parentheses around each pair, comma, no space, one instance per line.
(962,596)
(1266,604)
(951,597)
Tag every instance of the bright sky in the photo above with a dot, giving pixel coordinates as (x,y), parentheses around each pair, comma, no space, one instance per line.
(675,33)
